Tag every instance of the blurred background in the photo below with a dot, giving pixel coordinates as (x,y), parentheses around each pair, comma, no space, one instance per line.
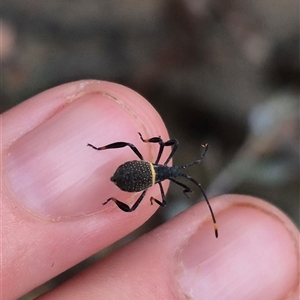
(223,72)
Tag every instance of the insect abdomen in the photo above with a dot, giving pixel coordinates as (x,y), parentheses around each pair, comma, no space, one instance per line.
(134,176)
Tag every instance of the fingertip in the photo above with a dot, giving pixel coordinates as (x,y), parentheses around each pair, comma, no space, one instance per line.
(254,257)
(72,177)
(55,185)
(257,243)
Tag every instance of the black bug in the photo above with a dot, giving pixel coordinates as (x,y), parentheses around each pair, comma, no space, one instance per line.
(139,175)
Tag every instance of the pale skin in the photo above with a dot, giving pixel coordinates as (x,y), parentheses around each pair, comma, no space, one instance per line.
(52,216)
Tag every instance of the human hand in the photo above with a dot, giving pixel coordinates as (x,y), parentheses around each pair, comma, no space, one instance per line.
(52,215)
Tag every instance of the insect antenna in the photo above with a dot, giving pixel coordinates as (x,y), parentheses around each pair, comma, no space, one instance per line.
(199,185)
(206,200)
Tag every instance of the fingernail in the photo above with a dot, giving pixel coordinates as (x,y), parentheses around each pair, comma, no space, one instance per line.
(250,259)
(50,170)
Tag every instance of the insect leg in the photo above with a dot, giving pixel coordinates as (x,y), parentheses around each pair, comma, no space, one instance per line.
(173,143)
(205,146)
(163,196)
(186,188)
(124,206)
(119,145)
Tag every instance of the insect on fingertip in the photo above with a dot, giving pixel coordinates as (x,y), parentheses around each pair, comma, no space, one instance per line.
(139,175)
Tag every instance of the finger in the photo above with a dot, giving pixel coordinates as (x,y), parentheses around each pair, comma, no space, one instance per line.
(54,185)
(255,257)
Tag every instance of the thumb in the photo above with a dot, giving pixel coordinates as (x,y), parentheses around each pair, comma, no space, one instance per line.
(54,185)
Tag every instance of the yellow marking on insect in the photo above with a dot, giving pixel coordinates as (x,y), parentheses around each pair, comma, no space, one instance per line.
(153,174)
(216,229)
